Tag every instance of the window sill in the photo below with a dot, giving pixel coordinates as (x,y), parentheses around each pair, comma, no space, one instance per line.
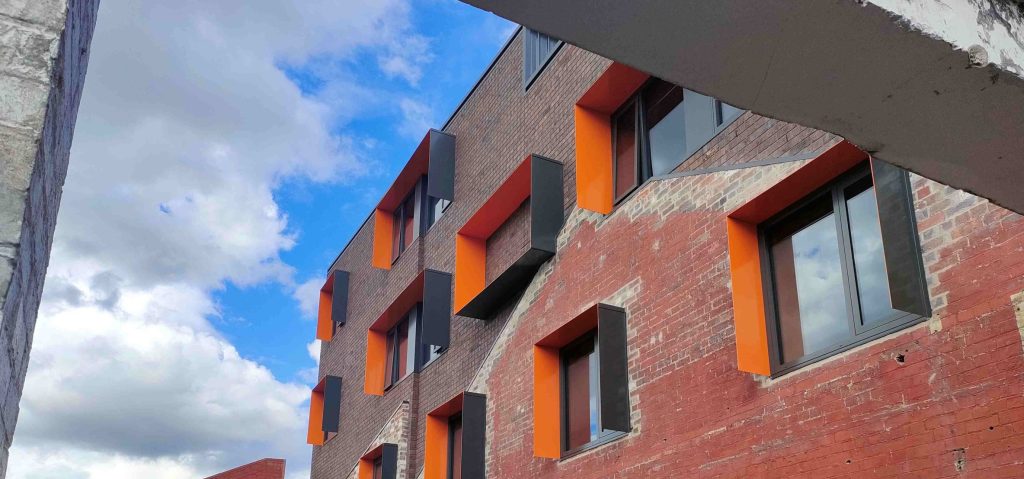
(903,324)
(396,383)
(604,440)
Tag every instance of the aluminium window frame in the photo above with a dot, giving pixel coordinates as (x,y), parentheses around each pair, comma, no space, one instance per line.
(450,473)
(528,82)
(859,333)
(642,137)
(604,436)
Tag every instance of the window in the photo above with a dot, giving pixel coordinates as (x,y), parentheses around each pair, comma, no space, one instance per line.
(455,447)
(538,49)
(660,127)
(435,209)
(581,384)
(401,356)
(404,230)
(827,273)
(581,393)
(378,468)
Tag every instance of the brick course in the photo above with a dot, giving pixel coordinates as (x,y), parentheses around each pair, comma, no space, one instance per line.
(261,469)
(940,399)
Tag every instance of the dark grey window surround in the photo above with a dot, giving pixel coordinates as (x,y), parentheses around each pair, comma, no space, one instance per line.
(716,123)
(910,312)
(538,50)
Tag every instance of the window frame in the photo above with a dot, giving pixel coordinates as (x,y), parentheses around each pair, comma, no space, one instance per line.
(859,333)
(451,444)
(604,436)
(529,80)
(411,321)
(642,137)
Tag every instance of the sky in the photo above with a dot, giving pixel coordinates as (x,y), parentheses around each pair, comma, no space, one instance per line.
(224,154)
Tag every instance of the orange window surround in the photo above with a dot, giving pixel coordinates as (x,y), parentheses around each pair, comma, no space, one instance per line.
(314,434)
(371,464)
(383,216)
(744,248)
(547,391)
(376,337)
(442,146)
(593,110)
(471,240)
(435,461)
(324,324)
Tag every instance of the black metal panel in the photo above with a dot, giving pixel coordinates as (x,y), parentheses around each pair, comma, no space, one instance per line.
(611,338)
(437,308)
(389,461)
(547,203)
(506,286)
(474,434)
(332,403)
(441,168)
(903,265)
(339,298)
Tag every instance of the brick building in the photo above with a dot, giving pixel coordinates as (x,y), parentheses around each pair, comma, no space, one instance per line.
(261,469)
(589,272)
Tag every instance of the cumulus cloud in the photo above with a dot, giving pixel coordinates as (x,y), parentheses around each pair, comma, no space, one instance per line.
(307,294)
(187,126)
(417,117)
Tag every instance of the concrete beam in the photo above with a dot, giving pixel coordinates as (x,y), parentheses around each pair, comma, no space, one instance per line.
(893,76)
(44,50)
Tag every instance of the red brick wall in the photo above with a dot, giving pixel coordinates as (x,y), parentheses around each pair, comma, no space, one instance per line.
(908,405)
(662,254)
(261,469)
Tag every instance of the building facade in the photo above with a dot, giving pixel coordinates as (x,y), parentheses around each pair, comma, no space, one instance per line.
(262,469)
(589,272)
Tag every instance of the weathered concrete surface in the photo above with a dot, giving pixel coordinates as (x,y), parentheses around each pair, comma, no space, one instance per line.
(893,76)
(44,50)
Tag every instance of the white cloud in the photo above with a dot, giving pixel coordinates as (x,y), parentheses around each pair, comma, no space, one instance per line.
(417,118)
(187,126)
(307,294)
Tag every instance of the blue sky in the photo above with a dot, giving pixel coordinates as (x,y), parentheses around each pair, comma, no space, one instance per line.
(260,320)
(224,154)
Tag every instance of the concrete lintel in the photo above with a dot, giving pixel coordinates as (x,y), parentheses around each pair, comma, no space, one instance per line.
(892,76)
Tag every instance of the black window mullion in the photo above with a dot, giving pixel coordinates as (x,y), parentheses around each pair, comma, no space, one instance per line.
(643,157)
(846,259)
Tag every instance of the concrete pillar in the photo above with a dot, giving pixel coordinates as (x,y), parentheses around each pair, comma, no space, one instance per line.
(44,50)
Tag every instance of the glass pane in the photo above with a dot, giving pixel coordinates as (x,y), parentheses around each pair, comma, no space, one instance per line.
(595,394)
(396,234)
(389,360)
(578,400)
(455,428)
(866,237)
(808,280)
(413,328)
(664,117)
(402,334)
(724,112)
(625,151)
(378,467)
(409,226)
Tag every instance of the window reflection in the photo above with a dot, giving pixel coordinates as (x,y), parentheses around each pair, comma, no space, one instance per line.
(808,277)
(868,258)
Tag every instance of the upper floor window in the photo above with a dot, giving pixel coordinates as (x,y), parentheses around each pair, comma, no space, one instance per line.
(538,49)
(400,354)
(660,127)
(404,229)
(435,209)
(827,273)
